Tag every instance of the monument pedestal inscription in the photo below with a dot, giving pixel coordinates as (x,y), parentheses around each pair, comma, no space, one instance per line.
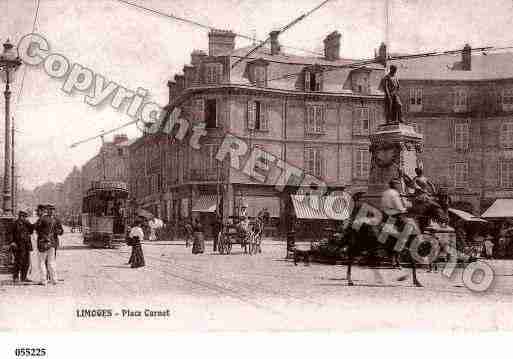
(394,149)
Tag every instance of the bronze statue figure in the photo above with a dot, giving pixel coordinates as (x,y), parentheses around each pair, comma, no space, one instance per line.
(393,106)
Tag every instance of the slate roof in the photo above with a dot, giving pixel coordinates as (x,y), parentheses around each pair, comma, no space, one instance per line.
(492,66)
(283,64)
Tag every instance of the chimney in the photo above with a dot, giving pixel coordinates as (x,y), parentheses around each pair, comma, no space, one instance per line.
(382,54)
(220,42)
(275,44)
(466,58)
(197,56)
(332,46)
(120,139)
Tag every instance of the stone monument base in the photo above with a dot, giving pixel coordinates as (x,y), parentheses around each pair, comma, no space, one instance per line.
(394,150)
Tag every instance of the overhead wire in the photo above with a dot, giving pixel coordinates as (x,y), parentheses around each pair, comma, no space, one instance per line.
(20,91)
(282,30)
(357,64)
(207,27)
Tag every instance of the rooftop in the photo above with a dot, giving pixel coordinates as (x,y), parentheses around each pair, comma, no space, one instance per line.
(491,66)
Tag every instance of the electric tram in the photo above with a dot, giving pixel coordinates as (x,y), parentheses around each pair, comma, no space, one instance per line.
(104,214)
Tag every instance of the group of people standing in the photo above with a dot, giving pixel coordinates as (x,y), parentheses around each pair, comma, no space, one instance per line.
(47,229)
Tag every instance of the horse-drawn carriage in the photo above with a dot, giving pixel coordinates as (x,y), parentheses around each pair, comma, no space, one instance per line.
(246,232)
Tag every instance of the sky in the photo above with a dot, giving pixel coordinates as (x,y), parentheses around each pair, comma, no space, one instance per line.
(135,49)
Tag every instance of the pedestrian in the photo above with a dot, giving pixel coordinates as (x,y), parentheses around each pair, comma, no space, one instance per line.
(488,247)
(188,232)
(154,224)
(217,225)
(136,236)
(22,245)
(45,247)
(198,244)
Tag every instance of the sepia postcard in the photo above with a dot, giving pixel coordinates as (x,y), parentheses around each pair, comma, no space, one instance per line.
(255,166)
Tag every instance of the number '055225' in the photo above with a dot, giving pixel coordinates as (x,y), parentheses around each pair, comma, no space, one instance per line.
(30,352)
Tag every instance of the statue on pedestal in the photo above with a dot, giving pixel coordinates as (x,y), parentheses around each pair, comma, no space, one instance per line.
(393,106)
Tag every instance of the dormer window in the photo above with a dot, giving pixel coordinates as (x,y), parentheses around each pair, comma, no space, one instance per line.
(258,72)
(213,73)
(313,79)
(360,81)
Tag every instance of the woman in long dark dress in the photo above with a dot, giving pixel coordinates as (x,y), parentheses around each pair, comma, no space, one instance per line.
(198,244)
(136,235)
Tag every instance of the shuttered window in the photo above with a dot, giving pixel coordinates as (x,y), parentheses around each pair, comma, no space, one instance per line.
(506,174)
(314,121)
(461,135)
(461,174)
(506,134)
(258,116)
(362,121)
(314,161)
(362,163)
(313,81)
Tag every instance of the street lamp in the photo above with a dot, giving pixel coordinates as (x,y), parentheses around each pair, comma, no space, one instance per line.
(9,63)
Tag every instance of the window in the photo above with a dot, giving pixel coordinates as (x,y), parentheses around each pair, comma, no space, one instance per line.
(506,134)
(361,121)
(314,162)
(260,75)
(460,174)
(506,174)
(415,99)
(461,135)
(196,164)
(120,152)
(360,81)
(198,110)
(173,166)
(211,162)
(460,100)
(257,116)
(313,81)
(362,163)
(506,100)
(211,113)
(314,123)
(213,73)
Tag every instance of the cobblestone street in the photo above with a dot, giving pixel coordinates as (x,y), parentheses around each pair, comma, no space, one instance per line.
(240,292)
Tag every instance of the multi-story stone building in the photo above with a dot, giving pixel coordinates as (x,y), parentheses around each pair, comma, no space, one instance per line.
(314,113)
(463,105)
(72,193)
(111,163)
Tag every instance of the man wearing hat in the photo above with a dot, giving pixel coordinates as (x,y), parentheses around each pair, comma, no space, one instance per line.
(45,245)
(22,245)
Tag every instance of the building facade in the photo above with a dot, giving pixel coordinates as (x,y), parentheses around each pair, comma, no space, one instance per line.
(111,163)
(313,113)
(72,194)
(463,105)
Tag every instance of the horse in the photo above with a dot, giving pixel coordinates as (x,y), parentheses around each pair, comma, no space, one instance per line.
(364,237)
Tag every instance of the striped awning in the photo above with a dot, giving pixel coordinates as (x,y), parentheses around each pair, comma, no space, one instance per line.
(311,207)
(205,204)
